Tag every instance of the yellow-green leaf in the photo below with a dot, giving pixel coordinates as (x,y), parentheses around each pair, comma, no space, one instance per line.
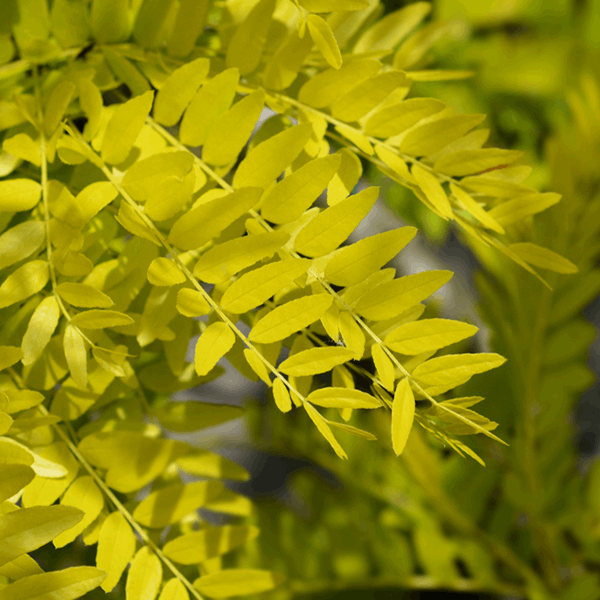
(339,397)
(475,209)
(246,46)
(83,295)
(131,221)
(324,39)
(124,127)
(174,590)
(27,280)
(178,90)
(9,355)
(289,198)
(22,146)
(467,162)
(352,334)
(191,303)
(189,24)
(352,430)
(20,241)
(354,263)
(315,360)
(232,129)
(209,464)
(428,334)
(282,68)
(225,260)
(389,31)
(281,396)
(365,96)
(66,584)
(13,478)
(171,504)
(236,582)
(321,6)
(433,190)
(183,417)
(85,495)
(517,209)
(56,105)
(90,99)
(326,87)
(257,286)
(384,366)
(265,162)
(433,136)
(216,340)
(257,365)
(329,229)
(403,414)
(392,120)
(99,319)
(27,529)
(210,101)
(203,223)
(194,548)
(543,258)
(76,356)
(448,369)
(324,429)
(126,72)
(289,318)
(389,299)
(164,272)
(144,577)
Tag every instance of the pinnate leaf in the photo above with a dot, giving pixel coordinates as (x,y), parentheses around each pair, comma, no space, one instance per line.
(216,340)
(403,413)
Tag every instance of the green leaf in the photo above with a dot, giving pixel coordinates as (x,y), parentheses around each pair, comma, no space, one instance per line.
(234,582)
(246,46)
(265,162)
(433,136)
(189,24)
(191,303)
(289,318)
(27,529)
(403,414)
(83,295)
(85,495)
(207,543)
(66,584)
(56,105)
(99,319)
(315,360)
(165,272)
(289,198)
(90,99)
(339,397)
(126,72)
(178,90)
(428,334)
(171,504)
(201,224)
(433,190)
(397,118)
(13,478)
(354,263)
(124,127)
(216,340)
(389,299)
(324,39)
(257,286)
(188,416)
(144,577)
(225,260)
(543,258)
(232,129)
(329,229)
(327,87)
(208,103)
(321,6)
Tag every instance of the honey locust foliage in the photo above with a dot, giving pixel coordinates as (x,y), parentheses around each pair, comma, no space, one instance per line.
(134,200)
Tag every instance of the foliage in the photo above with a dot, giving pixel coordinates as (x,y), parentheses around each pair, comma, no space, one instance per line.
(121,241)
